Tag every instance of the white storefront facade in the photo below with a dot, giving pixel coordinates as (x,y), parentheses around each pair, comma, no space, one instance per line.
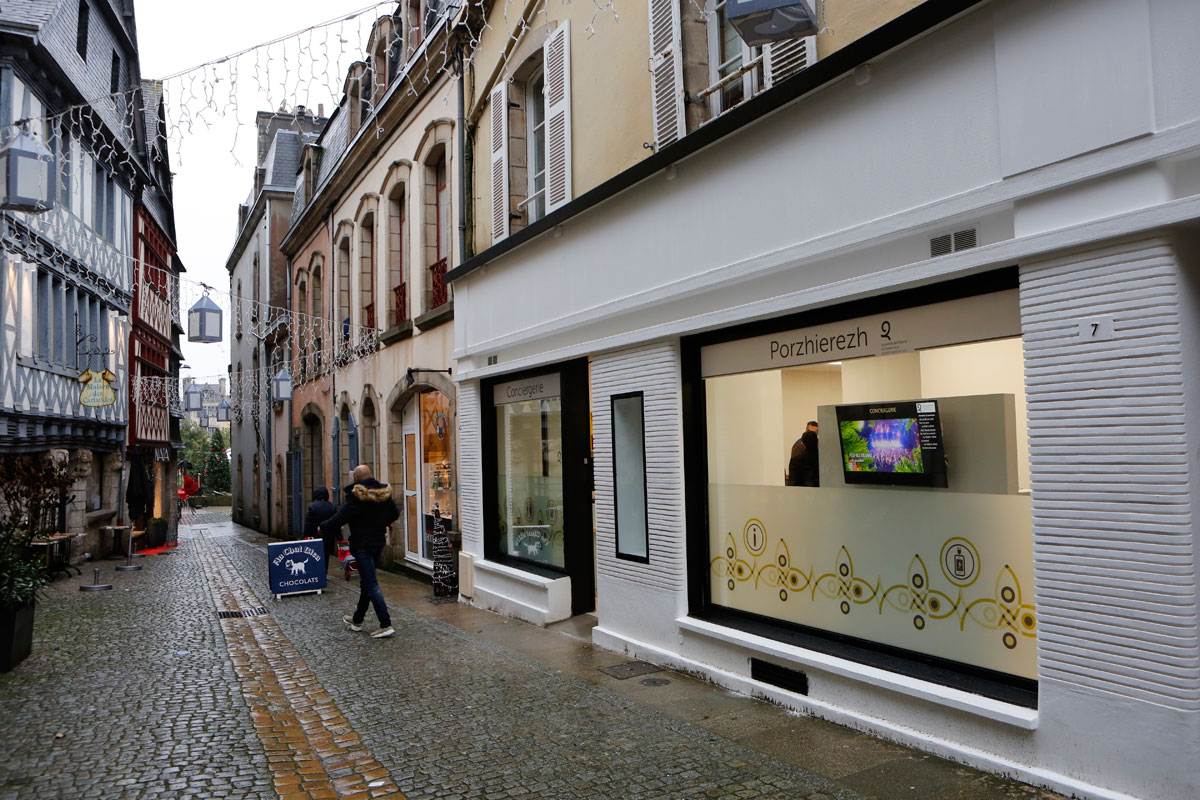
(974,264)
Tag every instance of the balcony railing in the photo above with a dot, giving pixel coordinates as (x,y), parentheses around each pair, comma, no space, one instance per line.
(399,304)
(438,292)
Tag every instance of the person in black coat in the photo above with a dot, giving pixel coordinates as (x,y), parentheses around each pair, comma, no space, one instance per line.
(321,510)
(368,510)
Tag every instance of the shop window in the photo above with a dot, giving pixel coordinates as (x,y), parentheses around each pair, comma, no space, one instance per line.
(529,475)
(901,520)
(629,476)
(437,464)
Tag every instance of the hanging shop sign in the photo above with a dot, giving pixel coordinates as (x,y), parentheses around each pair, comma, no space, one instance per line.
(970,319)
(296,567)
(97,391)
(540,388)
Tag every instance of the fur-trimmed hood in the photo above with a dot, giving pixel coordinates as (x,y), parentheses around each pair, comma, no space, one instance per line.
(380,493)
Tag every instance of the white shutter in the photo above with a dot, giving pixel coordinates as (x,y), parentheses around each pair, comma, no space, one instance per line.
(557,56)
(666,72)
(784,59)
(498,104)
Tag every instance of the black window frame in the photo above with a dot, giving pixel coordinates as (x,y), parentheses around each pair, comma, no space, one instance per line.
(967,677)
(612,416)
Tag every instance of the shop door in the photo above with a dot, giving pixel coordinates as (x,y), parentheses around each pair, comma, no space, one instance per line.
(412,495)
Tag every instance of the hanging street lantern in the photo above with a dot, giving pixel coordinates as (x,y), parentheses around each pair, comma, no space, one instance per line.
(223,409)
(193,399)
(28,173)
(281,388)
(761,22)
(204,320)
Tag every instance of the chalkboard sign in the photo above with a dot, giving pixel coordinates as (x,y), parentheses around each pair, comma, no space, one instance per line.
(296,567)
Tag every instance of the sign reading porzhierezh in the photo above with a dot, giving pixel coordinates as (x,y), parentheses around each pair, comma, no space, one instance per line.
(296,566)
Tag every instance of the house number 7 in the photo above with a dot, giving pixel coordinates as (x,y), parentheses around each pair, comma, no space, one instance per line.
(1097,329)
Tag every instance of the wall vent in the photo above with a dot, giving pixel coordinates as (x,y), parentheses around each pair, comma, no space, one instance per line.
(953,242)
(793,680)
(492,360)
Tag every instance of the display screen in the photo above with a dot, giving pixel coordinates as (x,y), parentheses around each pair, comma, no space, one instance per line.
(892,443)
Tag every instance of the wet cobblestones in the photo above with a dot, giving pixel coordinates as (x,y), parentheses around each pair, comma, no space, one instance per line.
(155,697)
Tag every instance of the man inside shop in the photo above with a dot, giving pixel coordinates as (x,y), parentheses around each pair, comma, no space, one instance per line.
(804,465)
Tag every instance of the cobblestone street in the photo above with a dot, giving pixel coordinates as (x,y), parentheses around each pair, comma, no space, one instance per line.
(145,691)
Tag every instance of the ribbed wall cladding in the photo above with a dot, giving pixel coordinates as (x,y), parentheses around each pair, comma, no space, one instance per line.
(470,471)
(655,372)
(1113,540)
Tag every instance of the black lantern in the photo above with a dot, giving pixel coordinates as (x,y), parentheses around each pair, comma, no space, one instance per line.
(193,398)
(28,177)
(761,22)
(204,321)
(281,388)
(223,409)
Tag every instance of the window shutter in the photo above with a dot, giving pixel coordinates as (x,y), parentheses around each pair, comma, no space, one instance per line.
(666,72)
(557,56)
(498,103)
(783,59)
(335,435)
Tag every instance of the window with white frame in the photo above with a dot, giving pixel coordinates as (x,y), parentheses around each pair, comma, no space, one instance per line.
(734,69)
(535,125)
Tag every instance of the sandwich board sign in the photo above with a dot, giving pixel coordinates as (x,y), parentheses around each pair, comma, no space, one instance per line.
(296,567)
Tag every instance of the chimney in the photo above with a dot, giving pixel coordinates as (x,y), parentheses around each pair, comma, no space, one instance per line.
(320,109)
(222,382)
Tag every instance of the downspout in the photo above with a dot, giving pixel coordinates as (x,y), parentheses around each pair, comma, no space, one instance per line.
(287,417)
(460,71)
(266,361)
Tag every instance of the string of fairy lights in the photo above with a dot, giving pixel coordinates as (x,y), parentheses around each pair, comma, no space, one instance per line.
(304,63)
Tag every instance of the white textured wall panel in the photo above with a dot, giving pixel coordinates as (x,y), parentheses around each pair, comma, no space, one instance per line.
(1114,550)
(653,371)
(470,468)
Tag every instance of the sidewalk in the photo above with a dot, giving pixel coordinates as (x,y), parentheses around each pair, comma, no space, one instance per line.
(148,692)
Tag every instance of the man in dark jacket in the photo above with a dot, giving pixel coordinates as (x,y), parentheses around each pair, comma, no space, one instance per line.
(321,510)
(804,466)
(368,510)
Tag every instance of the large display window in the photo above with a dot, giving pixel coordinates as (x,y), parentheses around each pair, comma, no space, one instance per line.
(867,482)
(529,470)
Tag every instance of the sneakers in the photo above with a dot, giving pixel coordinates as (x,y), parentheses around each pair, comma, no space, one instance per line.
(383,633)
(349,620)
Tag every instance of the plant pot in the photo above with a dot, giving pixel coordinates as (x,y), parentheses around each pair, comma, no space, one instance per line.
(156,534)
(16,636)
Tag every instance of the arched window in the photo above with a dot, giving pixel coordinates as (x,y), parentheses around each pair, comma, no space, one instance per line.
(397,263)
(343,289)
(438,228)
(302,327)
(366,277)
(318,312)
(369,435)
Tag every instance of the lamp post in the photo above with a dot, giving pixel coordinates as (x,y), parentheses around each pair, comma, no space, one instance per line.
(204,320)
(281,385)
(28,177)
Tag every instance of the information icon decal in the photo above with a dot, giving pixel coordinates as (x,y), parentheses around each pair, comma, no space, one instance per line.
(755,536)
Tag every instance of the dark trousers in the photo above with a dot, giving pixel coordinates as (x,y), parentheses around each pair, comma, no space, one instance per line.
(369,592)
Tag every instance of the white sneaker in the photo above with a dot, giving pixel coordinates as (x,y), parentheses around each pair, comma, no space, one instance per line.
(349,620)
(383,633)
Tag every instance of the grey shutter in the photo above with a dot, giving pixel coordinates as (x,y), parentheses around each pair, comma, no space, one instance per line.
(353,442)
(666,72)
(295,492)
(337,454)
(784,59)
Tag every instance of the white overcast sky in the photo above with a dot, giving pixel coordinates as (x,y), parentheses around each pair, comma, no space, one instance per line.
(210,182)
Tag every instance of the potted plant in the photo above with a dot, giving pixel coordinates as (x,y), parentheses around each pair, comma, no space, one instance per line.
(156,532)
(32,495)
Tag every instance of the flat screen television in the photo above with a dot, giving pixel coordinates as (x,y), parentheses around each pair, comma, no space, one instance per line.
(892,443)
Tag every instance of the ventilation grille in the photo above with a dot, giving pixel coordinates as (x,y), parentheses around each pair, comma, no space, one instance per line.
(953,242)
(793,680)
(246,612)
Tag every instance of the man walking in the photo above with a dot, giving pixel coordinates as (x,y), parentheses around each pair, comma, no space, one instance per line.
(368,510)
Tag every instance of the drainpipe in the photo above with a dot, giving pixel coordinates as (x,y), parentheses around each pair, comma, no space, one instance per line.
(460,71)
(287,414)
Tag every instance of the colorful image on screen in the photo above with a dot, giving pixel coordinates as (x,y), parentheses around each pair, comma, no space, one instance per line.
(882,445)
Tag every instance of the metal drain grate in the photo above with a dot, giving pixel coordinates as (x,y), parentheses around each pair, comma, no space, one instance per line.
(630,669)
(247,612)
